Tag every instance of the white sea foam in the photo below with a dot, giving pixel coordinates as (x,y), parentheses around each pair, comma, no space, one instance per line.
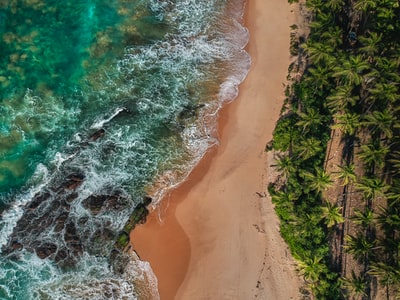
(10,217)
(228,46)
(60,158)
(100,124)
(92,280)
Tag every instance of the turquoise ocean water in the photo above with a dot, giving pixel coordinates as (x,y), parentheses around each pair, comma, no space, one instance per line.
(102,103)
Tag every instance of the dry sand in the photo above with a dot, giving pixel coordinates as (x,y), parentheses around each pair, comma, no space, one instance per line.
(219,236)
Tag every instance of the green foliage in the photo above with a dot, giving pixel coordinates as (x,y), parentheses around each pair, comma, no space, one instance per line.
(332,215)
(285,130)
(372,188)
(354,286)
(360,246)
(122,240)
(346,174)
(351,85)
(363,218)
(318,181)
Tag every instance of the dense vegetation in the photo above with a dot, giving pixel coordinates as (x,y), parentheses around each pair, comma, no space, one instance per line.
(337,149)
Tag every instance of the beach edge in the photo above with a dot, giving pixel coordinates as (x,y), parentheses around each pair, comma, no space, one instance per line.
(217,234)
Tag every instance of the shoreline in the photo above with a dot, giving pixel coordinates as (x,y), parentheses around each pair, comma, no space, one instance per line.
(219,237)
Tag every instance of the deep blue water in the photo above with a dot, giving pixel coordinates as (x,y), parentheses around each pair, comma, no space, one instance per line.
(102,103)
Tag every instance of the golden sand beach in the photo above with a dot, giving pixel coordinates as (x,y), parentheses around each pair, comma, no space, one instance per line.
(218,237)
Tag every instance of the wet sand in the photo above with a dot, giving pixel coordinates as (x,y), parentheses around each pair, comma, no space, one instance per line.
(218,237)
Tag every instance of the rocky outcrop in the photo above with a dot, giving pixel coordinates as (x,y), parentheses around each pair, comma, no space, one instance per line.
(62,221)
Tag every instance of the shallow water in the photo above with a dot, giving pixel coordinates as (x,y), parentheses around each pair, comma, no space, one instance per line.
(102,104)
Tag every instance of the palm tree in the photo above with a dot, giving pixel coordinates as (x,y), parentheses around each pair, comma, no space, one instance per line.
(322,22)
(365,5)
(395,164)
(310,229)
(388,275)
(363,218)
(285,165)
(372,188)
(389,220)
(370,44)
(319,53)
(351,71)
(346,174)
(393,197)
(308,148)
(318,182)
(335,5)
(384,93)
(314,5)
(391,247)
(360,247)
(388,14)
(356,285)
(388,69)
(381,122)
(311,268)
(332,214)
(373,155)
(310,119)
(346,122)
(320,76)
(283,197)
(393,193)
(283,201)
(333,35)
(341,99)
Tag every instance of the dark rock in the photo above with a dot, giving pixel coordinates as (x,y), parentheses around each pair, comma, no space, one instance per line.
(97,203)
(117,202)
(189,111)
(123,112)
(44,222)
(38,199)
(147,200)
(118,261)
(73,181)
(82,221)
(61,255)
(71,197)
(23,222)
(16,245)
(45,250)
(138,216)
(60,221)
(269,146)
(76,177)
(108,234)
(108,149)
(94,203)
(76,247)
(98,134)
(70,231)
(69,262)
(54,205)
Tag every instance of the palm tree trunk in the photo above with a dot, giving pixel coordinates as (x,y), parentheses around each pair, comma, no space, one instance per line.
(387,292)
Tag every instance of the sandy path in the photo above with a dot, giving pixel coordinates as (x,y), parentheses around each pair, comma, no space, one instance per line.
(219,239)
